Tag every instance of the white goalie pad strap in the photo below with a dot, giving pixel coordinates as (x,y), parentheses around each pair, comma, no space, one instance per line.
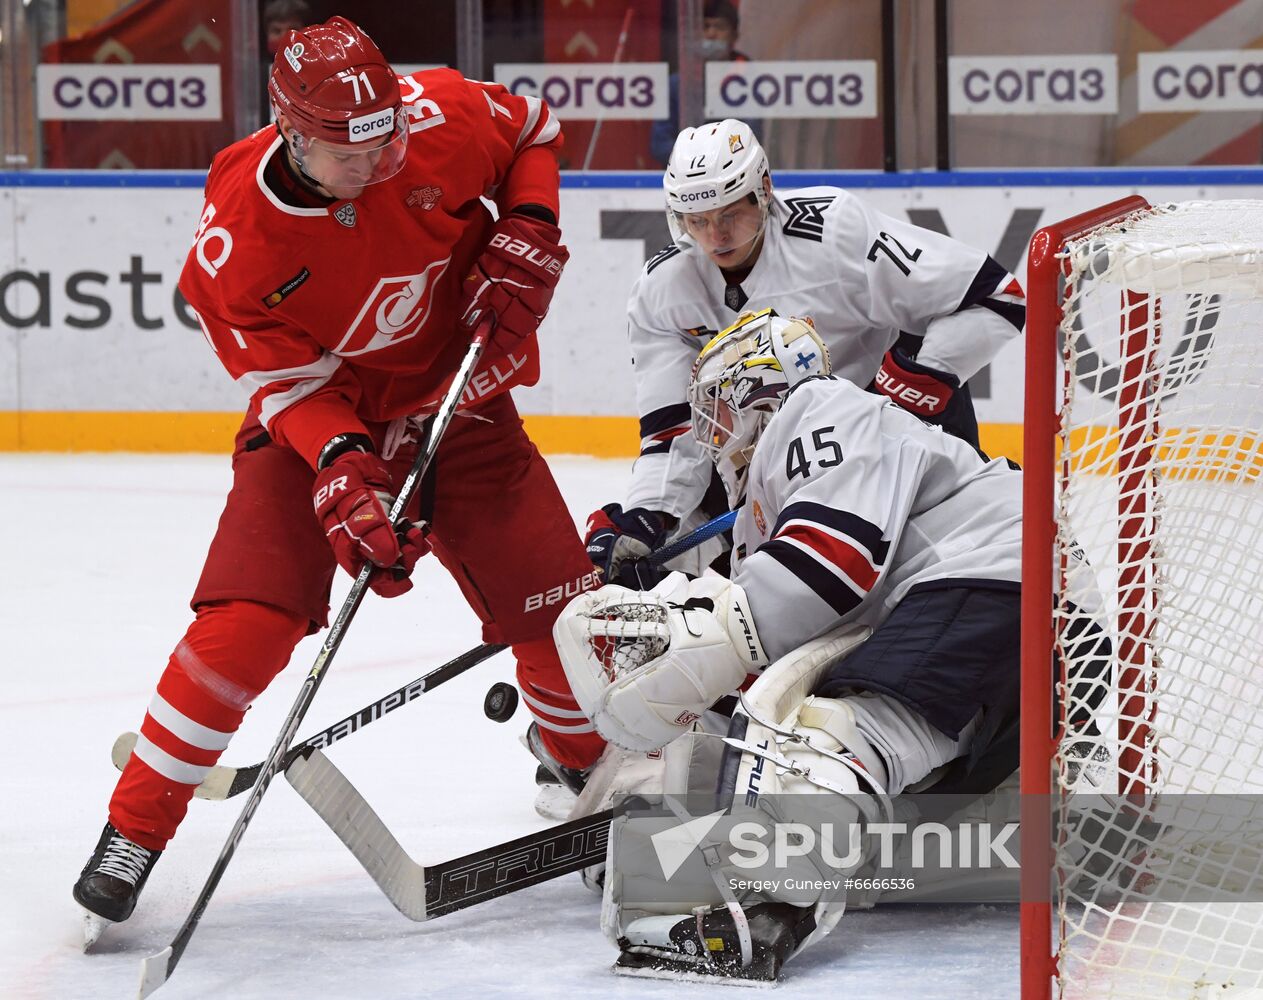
(772,702)
(644,665)
(803,770)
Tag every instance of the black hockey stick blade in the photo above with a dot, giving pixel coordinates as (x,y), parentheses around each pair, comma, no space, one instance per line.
(224,782)
(423,892)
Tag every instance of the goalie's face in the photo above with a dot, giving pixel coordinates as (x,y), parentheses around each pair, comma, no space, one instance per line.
(740,380)
(731,402)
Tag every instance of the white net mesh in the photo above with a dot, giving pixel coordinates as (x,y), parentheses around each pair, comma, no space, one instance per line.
(1159,509)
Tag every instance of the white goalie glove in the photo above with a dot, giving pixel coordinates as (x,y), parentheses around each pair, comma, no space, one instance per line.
(644,665)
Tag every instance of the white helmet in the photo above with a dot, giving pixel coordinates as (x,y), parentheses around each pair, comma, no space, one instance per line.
(711,166)
(740,380)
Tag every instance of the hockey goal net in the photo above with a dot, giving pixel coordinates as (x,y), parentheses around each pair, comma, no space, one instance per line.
(1142,756)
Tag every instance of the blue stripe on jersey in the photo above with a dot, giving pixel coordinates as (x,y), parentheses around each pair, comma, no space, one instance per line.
(989,280)
(675,418)
(825,585)
(1012,311)
(853,526)
(664,418)
(986,282)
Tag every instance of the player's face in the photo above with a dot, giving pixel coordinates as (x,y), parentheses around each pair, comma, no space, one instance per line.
(730,235)
(343,171)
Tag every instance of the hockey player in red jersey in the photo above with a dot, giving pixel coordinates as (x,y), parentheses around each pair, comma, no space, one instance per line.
(342,259)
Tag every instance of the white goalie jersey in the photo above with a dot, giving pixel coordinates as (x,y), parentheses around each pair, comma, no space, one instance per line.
(863,277)
(852,502)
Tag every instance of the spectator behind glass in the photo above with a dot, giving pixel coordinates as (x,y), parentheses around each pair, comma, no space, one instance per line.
(720,28)
(280,17)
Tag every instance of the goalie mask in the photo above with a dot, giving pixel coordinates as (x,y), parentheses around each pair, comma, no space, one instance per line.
(347,127)
(717,166)
(739,381)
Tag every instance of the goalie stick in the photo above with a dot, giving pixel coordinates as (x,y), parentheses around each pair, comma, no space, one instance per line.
(224,782)
(423,892)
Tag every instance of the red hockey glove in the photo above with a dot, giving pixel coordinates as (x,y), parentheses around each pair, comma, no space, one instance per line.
(352,497)
(514,278)
(915,387)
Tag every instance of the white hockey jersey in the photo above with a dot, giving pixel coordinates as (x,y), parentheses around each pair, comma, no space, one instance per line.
(862,277)
(851,502)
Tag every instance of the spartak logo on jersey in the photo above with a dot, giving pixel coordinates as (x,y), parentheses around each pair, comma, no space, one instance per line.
(394,311)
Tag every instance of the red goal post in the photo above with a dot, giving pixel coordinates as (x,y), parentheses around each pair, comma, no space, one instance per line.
(1143,527)
(1039,740)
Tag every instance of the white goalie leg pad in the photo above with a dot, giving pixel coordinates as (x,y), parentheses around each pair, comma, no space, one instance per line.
(644,665)
(806,747)
(686,766)
(686,769)
(773,702)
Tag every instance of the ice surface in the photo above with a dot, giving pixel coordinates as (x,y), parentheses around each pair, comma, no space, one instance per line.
(100,554)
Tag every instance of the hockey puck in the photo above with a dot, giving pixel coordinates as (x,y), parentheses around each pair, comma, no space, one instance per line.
(501,702)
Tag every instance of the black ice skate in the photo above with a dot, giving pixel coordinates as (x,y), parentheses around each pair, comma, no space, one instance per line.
(710,944)
(110,882)
(559,786)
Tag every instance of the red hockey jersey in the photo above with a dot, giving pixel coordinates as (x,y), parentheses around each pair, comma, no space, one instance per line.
(338,314)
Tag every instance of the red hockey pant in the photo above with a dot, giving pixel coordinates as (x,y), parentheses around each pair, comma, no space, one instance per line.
(500,527)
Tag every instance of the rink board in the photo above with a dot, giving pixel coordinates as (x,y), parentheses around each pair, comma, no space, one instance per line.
(98,353)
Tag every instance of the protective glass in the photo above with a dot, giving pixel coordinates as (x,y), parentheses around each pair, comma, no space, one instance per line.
(349,165)
(728,234)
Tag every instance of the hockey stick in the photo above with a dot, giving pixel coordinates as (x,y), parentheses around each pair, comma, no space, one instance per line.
(703,532)
(157,969)
(224,782)
(423,892)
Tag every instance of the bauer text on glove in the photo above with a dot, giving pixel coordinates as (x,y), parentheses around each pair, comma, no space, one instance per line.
(352,496)
(514,278)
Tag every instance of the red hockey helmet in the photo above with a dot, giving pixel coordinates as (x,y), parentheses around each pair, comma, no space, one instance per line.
(335,88)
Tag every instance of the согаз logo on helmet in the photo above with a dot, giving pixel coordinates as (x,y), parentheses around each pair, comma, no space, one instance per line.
(367,126)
